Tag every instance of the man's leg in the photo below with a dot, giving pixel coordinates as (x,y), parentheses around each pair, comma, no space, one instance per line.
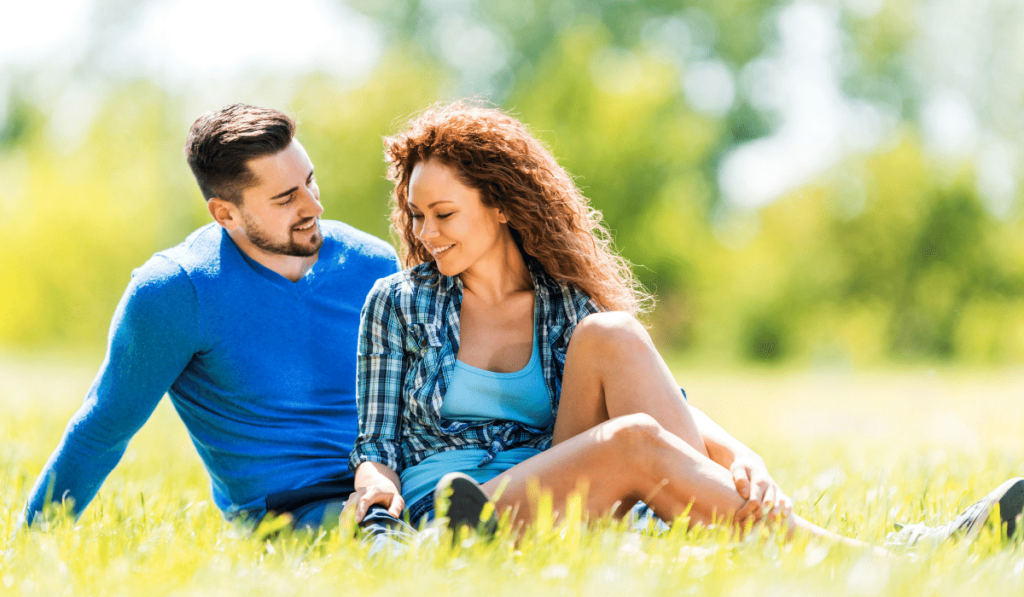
(1009,497)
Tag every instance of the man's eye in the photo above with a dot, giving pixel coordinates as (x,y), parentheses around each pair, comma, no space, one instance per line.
(288,200)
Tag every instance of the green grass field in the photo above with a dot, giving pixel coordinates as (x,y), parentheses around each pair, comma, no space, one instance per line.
(857,451)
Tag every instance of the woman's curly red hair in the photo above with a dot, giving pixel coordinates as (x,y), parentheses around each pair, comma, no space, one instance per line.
(553,222)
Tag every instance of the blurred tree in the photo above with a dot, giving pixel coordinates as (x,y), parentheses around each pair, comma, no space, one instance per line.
(892,253)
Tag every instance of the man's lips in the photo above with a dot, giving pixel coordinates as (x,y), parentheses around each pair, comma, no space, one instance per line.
(306,226)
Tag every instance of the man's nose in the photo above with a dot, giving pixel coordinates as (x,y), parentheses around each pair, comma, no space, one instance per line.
(311,206)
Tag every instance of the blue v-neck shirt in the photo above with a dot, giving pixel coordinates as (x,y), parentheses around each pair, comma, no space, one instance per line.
(260,369)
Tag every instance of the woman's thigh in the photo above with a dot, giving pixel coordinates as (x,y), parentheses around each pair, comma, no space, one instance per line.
(612,369)
(616,464)
(587,462)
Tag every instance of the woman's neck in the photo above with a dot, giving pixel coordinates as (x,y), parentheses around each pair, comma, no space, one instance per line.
(499,275)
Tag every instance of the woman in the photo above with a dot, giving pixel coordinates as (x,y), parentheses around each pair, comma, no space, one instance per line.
(510,351)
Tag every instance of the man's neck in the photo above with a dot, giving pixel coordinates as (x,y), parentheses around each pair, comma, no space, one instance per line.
(288,266)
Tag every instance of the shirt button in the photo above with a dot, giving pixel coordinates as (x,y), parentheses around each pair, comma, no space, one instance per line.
(423,342)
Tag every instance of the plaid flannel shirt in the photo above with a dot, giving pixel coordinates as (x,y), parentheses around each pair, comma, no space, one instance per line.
(408,343)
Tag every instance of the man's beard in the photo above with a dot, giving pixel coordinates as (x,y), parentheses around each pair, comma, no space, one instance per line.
(291,248)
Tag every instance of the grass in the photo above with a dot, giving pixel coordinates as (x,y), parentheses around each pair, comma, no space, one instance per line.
(857,451)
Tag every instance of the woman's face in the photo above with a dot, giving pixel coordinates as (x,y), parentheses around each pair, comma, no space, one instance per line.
(451,221)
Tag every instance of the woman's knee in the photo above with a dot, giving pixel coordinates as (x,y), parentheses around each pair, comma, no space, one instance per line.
(637,443)
(612,332)
(636,435)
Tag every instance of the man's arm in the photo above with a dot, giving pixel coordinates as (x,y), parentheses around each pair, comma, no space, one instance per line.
(152,338)
(748,469)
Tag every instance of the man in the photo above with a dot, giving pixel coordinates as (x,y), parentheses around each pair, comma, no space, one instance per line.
(249,326)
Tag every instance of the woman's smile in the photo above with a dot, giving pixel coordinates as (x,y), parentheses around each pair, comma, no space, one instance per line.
(438,251)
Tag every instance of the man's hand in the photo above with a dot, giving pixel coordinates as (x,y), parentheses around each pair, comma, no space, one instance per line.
(763,494)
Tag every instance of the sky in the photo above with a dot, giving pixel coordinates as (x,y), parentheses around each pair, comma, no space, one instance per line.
(967,60)
(167,38)
(171,43)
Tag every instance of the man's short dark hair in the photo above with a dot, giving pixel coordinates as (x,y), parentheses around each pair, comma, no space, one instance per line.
(220,145)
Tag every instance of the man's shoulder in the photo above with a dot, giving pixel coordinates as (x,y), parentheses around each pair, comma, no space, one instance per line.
(174,264)
(178,269)
(159,286)
(355,241)
(200,251)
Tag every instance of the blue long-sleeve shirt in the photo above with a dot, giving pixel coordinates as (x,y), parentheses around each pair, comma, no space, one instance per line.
(260,369)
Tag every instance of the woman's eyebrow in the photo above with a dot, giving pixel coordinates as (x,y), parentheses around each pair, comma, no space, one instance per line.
(432,204)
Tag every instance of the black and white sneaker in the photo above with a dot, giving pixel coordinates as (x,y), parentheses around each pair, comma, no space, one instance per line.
(463,502)
(1010,498)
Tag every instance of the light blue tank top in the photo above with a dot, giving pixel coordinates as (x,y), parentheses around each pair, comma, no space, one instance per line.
(476,394)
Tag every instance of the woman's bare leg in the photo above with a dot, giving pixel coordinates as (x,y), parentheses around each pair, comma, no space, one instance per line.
(624,460)
(620,462)
(624,432)
(612,369)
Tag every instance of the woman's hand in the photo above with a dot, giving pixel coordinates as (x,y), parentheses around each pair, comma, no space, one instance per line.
(754,484)
(375,484)
(763,494)
(364,497)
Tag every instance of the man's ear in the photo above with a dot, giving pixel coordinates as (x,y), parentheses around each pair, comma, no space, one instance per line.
(224,212)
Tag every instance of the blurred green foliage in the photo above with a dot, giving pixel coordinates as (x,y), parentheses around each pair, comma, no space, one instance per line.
(888,255)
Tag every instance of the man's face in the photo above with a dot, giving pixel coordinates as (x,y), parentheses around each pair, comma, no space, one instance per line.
(280,214)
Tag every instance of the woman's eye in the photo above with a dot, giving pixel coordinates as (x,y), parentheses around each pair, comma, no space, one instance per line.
(413,216)
(443,216)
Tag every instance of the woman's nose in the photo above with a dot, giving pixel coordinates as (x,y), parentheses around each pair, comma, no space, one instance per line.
(427,229)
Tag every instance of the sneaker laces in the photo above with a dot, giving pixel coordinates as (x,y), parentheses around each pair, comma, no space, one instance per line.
(920,535)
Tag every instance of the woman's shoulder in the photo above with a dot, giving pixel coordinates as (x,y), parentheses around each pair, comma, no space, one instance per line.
(578,302)
(568,298)
(411,287)
(408,280)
